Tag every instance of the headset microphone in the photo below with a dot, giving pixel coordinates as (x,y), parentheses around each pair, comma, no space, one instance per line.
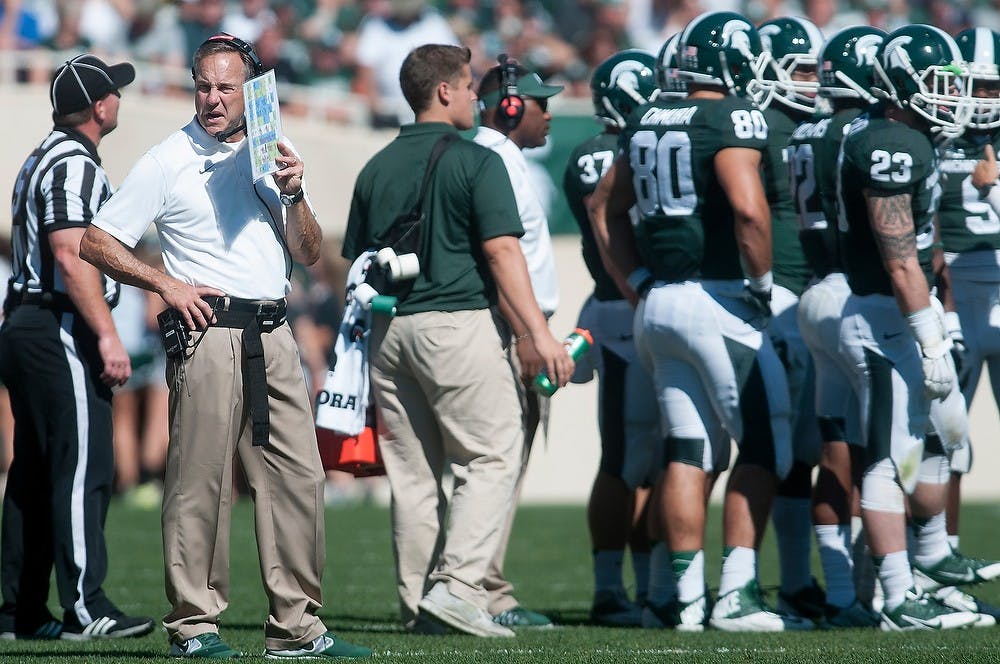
(223,136)
(510,108)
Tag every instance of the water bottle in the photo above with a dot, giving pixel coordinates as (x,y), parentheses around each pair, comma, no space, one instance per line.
(577,343)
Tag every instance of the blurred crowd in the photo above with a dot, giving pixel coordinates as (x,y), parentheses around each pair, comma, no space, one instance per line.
(350,50)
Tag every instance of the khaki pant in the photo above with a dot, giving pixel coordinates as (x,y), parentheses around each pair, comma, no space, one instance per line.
(209,425)
(500,591)
(446,399)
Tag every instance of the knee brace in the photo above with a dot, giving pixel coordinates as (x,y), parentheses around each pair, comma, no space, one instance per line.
(880,490)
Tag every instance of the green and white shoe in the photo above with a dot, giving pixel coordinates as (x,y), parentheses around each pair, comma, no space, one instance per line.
(744,610)
(691,616)
(203,646)
(325,645)
(520,617)
(956,569)
(956,598)
(922,611)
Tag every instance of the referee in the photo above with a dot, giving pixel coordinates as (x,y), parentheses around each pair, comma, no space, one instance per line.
(60,356)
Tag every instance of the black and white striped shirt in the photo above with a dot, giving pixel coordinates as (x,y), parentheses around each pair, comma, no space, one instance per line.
(61,185)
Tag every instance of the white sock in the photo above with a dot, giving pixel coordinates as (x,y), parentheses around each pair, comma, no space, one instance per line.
(896,577)
(640,565)
(662,588)
(857,528)
(739,567)
(930,540)
(834,544)
(608,569)
(792,519)
(953,541)
(689,572)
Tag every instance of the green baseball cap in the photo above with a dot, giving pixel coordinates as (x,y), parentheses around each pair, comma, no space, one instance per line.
(528,85)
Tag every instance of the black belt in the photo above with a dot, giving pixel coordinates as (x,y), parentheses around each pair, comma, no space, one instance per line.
(253,317)
(47,300)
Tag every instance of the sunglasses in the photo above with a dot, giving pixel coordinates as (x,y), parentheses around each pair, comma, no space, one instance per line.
(543,103)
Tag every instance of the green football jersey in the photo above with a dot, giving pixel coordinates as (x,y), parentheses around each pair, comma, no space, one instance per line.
(812,161)
(685,221)
(588,162)
(790,267)
(885,158)
(968,221)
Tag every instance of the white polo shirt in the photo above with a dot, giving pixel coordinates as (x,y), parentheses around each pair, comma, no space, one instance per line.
(216,228)
(536,243)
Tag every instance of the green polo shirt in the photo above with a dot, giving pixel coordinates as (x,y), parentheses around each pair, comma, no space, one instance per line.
(469,200)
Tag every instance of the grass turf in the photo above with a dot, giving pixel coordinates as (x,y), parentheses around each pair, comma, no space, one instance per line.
(550,565)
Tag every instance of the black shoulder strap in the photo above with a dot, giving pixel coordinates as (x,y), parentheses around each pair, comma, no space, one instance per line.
(439,148)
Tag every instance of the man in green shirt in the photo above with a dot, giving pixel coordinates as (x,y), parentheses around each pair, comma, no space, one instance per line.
(445,392)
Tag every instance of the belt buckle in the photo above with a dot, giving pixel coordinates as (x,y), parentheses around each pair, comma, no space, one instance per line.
(265,308)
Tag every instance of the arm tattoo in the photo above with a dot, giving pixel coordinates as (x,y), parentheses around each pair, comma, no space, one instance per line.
(892,225)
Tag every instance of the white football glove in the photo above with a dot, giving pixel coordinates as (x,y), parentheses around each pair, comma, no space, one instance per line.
(935,352)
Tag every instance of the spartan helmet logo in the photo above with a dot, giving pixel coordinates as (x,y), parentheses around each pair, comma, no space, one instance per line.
(734,35)
(895,53)
(625,75)
(766,32)
(865,49)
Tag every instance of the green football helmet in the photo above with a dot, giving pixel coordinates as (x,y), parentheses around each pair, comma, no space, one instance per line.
(980,47)
(671,85)
(920,67)
(621,83)
(847,63)
(723,48)
(793,44)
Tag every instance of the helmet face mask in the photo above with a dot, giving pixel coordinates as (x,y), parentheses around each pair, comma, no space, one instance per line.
(668,78)
(724,49)
(980,47)
(621,83)
(919,67)
(794,45)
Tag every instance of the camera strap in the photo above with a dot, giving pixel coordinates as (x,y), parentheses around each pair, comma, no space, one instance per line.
(406,233)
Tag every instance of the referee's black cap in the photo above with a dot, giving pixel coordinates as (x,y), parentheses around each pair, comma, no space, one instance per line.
(80,82)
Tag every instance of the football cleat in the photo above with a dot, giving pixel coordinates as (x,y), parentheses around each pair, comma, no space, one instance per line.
(920,611)
(744,610)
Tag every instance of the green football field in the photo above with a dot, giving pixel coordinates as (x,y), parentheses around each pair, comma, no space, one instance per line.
(549,563)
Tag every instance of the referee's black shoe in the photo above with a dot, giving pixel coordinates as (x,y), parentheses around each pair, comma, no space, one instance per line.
(115,625)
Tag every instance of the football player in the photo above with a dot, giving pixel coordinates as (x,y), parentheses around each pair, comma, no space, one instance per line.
(627,413)
(892,331)
(700,258)
(793,45)
(970,235)
(846,67)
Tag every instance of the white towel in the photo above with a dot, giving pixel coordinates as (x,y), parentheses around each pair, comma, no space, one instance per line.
(342,406)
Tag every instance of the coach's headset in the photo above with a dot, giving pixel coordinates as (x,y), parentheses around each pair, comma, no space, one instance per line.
(247,55)
(510,105)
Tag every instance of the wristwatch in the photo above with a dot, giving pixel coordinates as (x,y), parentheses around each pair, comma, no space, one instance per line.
(291,199)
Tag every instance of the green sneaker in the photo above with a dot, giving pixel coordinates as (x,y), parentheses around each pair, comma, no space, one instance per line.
(922,611)
(522,617)
(324,645)
(956,569)
(744,610)
(207,645)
